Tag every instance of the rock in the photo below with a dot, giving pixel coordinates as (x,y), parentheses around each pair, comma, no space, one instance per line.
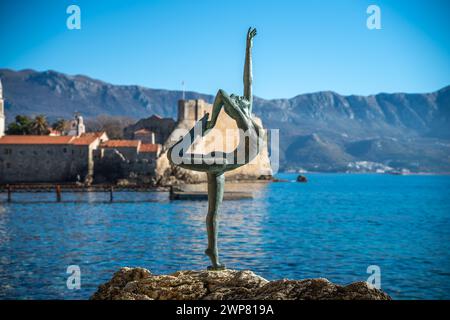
(280,180)
(141,284)
(114,288)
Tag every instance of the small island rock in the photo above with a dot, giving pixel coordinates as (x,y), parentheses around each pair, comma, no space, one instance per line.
(141,284)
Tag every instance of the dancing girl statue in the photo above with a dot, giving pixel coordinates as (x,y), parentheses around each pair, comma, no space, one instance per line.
(216,163)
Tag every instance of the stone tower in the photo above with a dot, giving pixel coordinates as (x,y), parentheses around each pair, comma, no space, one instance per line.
(77,127)
(2,112)
(192,110)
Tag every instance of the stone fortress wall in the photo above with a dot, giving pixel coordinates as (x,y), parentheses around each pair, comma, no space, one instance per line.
(44,163)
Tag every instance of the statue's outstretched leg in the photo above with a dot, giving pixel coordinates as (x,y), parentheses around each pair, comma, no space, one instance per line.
(216,184)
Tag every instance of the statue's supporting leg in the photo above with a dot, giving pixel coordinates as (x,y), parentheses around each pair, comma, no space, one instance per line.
(216,185)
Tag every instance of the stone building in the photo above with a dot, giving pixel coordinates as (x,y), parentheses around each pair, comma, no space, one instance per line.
(144,135)
(68,159)
(161,128)
(131,160)
(77,157)
(129,149)
(29,159)
(77,126)
(192,110)
(89,157)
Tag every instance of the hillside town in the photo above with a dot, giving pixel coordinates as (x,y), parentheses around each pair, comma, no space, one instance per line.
(81,157)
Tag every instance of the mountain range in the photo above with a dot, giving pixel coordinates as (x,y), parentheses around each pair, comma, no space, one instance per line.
(322,131)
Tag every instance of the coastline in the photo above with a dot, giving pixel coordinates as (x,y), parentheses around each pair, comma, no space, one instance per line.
(138,187)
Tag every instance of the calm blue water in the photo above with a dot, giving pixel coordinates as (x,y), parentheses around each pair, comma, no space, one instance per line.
(334,226)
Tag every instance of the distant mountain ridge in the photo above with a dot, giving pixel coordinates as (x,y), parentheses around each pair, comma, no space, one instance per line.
(319,131)
(58,95)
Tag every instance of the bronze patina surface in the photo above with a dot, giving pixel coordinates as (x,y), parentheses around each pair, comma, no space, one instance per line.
(215,164)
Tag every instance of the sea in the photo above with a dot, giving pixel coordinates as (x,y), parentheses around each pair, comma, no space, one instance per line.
(343,227)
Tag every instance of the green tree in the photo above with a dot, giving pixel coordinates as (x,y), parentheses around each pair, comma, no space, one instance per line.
(60,125)
(39,126)
(21,126)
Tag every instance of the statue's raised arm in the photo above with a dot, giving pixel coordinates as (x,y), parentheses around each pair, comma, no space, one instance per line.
(248,76)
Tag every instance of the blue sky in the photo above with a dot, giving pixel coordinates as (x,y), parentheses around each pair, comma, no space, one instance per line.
(302,46)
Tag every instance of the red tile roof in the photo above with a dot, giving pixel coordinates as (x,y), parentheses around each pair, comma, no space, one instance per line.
(142,131)
(98,134)
(47,140)
(11,139)
(84,140)
(149,147)
(121,144)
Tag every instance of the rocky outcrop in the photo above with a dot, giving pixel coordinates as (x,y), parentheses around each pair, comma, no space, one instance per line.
(141,284)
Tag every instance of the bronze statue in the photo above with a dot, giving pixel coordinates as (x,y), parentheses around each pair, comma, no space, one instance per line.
(215,164)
